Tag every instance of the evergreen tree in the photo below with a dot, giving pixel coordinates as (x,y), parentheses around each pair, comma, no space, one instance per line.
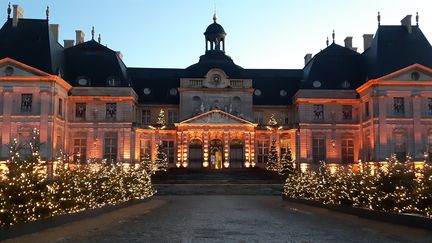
(161,162)
(286,165)
(147,164)
(161,119)
(272,160)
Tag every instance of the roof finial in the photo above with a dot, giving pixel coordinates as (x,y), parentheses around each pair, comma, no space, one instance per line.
(93,33)
(9,10)
(47,12)
(99,38)
(327,41)
(214,14)
(333,36)
(379,18)
(417,18)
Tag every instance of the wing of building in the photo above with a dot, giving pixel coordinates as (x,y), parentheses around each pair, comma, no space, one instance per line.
(342,107)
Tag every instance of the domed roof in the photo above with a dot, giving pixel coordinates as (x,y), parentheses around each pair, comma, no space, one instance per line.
(335,67)
(214,30)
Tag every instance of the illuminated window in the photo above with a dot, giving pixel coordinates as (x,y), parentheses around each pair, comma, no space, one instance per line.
(347,112)
(284,145)
(347,150)
(145,117)
(110,146)
(172,116)
(258,117)
(263,150)
(80,150)
(111,110)
(26,102)
(80,110)
(318,148)
(399,105)
(145,148)
(318,112)
(400,145)
(60,107)
(168,146)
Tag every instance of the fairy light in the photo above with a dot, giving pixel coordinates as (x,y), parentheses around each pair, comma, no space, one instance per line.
(28,195)
(394,187)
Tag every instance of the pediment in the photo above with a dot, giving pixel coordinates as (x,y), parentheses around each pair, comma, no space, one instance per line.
(415,72)
(216,117)
(12,68)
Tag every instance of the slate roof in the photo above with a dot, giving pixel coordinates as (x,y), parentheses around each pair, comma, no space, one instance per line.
(214,59)
(159,81)
(95,62)
(335,67)
(31,43)
(393,48)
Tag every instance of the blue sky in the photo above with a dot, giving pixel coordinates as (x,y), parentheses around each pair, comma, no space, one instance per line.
(260,34)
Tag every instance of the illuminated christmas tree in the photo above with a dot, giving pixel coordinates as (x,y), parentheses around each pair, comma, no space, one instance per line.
(286,163)
(161,161)
(273,159)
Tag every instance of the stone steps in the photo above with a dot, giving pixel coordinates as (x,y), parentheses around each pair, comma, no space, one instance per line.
(220,182)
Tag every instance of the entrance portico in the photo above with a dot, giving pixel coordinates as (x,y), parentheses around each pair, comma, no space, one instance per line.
(215,140)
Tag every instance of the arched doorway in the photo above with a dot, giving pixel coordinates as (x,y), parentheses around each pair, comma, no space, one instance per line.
(236,154)
(195,154)
(216,154)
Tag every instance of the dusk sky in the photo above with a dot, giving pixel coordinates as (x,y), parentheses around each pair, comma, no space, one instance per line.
(260,34)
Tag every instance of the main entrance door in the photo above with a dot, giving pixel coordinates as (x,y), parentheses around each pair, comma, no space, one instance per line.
(195,154)
(236,154)
(216,154)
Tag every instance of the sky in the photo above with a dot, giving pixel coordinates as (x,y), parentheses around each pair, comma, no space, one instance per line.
(260,34)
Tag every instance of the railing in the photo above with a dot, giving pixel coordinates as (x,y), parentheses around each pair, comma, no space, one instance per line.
(236,83)
(196,83)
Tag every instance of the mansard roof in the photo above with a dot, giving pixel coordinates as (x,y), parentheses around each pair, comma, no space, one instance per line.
(214,59)
(335,67)
(31,42)
(95,62)
(394,47)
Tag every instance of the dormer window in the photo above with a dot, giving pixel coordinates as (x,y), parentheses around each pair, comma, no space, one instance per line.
(146,91)
(257,92)
(83,81)
(173,91)
(112,81)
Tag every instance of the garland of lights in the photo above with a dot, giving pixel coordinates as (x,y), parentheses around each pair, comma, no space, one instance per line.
(397,187)
(27,194)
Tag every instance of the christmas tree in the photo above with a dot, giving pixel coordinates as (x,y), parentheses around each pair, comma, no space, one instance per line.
(161,162)
(286,164)
(272,160)
(147,164)
(161,120)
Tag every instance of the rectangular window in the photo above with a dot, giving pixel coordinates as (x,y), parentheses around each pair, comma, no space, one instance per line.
(80,150)
(318,112)
(80,110)
(172,116)
(347,112)
(347,150)
(145,148)
(318,149)
(60,107)
(168,146)
(145,117)
(110,146)
(258,117)
(111,110)
(429,106)
(286,119)
(263,150)
(26,102)
(398,105)
(367,112)
(284,145)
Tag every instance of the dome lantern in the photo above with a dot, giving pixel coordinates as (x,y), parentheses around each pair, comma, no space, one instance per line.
(215,36)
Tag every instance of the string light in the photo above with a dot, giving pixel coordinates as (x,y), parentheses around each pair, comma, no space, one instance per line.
(27,194)
(396,187)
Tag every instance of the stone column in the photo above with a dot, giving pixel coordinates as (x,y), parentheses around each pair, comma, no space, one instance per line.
(6,128)
(179,149)
(252,148)
(417,148)
(185,149)
(45,140)
(226,147)
(206,146)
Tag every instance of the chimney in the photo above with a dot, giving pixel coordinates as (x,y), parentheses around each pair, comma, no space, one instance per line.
(407,23)
(307,58)
(18,13)
(54,30)
(79,37)
(367,41)
(119,54)
(348,42)
(68,43)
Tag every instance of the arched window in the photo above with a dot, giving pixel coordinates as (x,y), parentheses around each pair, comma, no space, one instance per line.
(196,103)
(236,105)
